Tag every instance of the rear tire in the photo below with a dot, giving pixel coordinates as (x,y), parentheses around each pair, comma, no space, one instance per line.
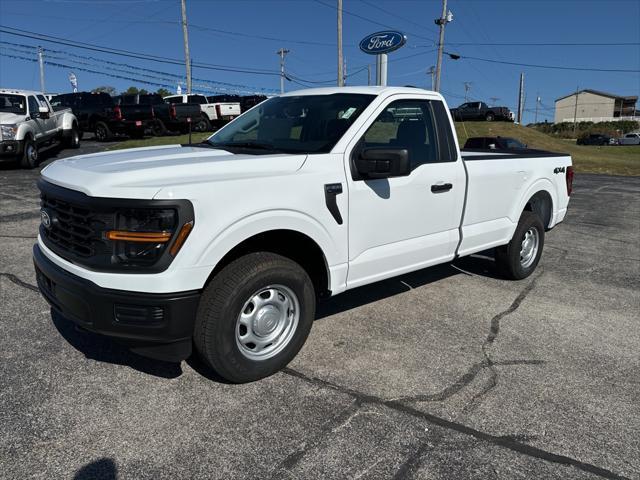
(202,124)
(158,129)
(29,158)
(260,297)
(490,117)
(73,139)
(519,258)
(103,133)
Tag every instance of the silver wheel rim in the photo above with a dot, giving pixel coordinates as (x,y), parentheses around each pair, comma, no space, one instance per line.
(267,322)
(76,138)
(32,152)
(529,247)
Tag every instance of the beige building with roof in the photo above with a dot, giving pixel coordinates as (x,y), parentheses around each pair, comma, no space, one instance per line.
(595,106)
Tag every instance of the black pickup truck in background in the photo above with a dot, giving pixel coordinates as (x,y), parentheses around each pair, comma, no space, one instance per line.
(99,114)
(481,111)
(173,117)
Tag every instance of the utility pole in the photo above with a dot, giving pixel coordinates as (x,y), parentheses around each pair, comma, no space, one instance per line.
(185,34)
(340,61)
(368,74)
(282,52)
(41,63)
(431,71)
(344,72)
(442,21)
(520,99)
(575,111)
(535,120)
(467,88)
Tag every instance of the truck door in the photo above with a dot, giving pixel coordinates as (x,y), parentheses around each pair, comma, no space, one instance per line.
(38,123)
(50,123)
(402,224)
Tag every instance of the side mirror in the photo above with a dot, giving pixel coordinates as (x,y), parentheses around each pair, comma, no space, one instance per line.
(43,112)
(383,163)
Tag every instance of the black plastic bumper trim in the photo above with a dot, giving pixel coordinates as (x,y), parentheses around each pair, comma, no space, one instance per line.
(93,308)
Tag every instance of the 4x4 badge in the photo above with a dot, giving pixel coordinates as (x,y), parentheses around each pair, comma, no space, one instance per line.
(558,170)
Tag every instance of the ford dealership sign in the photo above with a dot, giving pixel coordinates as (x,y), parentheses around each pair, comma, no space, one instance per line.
(382,42)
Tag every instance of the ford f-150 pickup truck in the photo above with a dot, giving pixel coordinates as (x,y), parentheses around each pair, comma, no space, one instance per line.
(27,122)
(227,245)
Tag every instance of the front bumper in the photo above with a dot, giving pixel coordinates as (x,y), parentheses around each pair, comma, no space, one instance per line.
(155,325)
(10,148)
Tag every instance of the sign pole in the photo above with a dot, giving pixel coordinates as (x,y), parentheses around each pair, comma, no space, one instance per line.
(380,44)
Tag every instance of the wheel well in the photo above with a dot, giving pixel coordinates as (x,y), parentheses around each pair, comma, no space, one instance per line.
(542,204)
(288,243)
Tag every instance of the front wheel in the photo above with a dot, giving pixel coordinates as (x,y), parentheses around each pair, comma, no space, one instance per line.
(519,258)
(29,157)
(73,139)
(103,133)
(202,124)
(254,316)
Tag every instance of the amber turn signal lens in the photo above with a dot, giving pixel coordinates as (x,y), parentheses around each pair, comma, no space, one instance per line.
(180,239)
(138,237)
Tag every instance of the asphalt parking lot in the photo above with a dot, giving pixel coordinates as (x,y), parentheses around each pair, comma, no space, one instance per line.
(449,372)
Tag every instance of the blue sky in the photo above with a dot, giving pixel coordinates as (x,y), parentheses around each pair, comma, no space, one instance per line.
(308,29)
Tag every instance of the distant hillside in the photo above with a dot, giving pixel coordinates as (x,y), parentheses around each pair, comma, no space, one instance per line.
(614,159)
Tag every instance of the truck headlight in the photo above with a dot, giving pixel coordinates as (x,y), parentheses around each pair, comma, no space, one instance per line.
(8,131)
(142,235)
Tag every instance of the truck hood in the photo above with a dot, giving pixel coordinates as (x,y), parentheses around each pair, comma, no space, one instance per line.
(11,118)
(143,172)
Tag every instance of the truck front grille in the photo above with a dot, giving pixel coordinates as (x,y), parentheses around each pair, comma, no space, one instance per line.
(71,226)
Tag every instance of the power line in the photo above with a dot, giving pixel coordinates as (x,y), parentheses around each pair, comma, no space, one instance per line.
(552,67)
(361,17)
(395,15)
(545,44)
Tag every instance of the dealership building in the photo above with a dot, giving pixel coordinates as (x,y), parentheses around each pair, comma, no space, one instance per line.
(595,106)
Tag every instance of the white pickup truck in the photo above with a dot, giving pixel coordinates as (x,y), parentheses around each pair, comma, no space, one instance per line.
(27,122)
(214,114)
(227,245)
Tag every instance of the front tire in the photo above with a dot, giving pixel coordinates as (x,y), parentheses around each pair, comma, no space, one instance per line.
(29,158)
(103,133)
(202,125)
(73,140)
(519,258)
(254,317)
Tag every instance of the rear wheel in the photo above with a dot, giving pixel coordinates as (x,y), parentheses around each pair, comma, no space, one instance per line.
(490,117)
(254,317)
(158,129)
(103,133)
(29,157)
(202,124)
(519,258)
(73,139)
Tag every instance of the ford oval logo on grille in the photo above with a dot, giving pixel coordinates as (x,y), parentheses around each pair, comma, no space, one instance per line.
(382,42)
(45,218)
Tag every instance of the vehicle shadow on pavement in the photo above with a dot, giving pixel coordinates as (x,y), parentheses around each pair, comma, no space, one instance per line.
(103,469)
(103,349)
(481,264)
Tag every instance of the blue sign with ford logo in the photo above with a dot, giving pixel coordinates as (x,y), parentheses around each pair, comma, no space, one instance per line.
(382,42)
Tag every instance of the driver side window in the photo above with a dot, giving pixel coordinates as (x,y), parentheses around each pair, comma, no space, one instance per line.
(34,106)
(405,124)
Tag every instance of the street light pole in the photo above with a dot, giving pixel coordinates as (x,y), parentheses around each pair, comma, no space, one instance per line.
(41,63)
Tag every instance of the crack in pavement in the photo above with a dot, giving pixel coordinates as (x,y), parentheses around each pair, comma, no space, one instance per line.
(12,217)
(508,442)
(21,283)
(30,237)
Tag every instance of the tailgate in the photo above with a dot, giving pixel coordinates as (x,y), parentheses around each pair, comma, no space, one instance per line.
(228,109)
(136,112)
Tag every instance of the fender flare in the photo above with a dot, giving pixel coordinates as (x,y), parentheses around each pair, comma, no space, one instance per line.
(540,185)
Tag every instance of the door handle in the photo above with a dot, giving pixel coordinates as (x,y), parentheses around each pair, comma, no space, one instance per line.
(441,187)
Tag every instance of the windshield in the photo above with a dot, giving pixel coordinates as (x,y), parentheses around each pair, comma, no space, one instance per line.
(13,104)
(297,124)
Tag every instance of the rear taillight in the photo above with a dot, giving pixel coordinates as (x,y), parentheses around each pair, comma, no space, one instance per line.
(569,178)
(172,111)
(117,112)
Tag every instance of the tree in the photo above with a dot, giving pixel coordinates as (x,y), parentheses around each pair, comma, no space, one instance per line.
(163,92)
(105,89)
(135,91)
